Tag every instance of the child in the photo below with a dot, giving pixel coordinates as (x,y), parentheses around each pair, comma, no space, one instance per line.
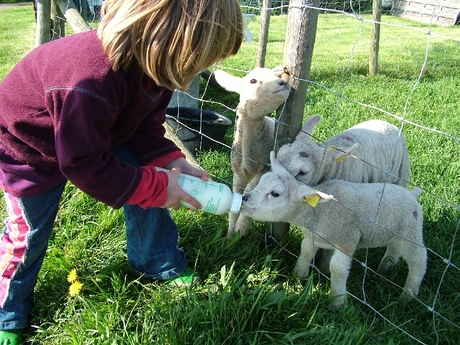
(89,108)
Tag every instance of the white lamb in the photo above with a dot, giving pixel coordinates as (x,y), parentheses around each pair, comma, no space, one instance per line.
(379,151)
(343,216)
(261,91)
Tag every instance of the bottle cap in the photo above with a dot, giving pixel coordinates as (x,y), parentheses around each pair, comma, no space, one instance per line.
(236,204)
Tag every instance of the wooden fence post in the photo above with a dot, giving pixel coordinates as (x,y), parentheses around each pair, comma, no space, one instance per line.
(42,30)
(374,53)
(298,52)
(264,26)
(67,8)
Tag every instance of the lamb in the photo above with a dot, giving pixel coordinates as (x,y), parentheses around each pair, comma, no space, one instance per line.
(379,149)
(261,91)
(344,216)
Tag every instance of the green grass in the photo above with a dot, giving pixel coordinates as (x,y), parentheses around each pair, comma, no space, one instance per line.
(248,294)
(17,32)
(13,1)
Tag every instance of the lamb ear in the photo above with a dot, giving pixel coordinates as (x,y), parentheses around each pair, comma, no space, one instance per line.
(339,153)
(228,81)
(308,126)
(278,70)
(276,165)
(311,195)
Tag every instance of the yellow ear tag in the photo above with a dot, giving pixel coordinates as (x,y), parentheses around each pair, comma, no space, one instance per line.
(340,159)
(312,200)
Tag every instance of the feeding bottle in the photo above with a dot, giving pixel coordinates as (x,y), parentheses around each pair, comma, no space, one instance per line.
(214,197)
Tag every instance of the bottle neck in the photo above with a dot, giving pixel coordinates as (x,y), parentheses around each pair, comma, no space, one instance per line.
(236,204)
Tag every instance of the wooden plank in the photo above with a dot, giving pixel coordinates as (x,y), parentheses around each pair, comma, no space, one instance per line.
(426,7)
(439,12)
(445,3)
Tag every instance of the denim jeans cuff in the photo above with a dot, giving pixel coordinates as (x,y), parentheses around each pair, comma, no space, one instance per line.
(167,274)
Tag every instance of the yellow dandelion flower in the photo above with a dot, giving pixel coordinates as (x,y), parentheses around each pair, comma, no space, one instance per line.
(72,276)
(75,288)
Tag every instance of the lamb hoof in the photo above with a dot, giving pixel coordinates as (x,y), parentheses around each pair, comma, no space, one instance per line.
(300,274)
(336,302)
(408,295)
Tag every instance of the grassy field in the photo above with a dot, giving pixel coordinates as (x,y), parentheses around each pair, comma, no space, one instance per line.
(248,294)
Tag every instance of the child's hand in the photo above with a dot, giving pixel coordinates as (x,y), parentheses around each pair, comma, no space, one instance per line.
(175,193)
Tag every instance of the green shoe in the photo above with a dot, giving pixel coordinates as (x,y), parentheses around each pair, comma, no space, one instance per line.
(185,279)
(11,337)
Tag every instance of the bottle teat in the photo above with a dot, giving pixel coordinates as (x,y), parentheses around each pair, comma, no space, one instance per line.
(236,204)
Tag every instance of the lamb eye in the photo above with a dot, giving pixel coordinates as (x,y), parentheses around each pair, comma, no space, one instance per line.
(274,194)
(303,154)
(253,81)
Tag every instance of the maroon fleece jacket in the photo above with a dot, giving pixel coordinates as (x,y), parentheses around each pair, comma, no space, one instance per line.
(63,109)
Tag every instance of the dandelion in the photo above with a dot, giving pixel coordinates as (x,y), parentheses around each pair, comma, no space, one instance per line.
(72,276)
(75,288)
(75,284)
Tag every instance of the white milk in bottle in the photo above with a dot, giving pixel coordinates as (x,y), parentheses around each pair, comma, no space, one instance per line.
(214,197)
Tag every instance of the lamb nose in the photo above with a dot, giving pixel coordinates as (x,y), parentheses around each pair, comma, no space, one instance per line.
(245,197)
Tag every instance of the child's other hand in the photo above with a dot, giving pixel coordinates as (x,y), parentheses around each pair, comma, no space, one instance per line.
(187,169)
(175,193)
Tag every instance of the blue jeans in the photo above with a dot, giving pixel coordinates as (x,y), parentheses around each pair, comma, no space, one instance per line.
(151,236)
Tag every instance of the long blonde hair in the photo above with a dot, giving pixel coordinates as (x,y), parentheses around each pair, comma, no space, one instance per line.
(170,40)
